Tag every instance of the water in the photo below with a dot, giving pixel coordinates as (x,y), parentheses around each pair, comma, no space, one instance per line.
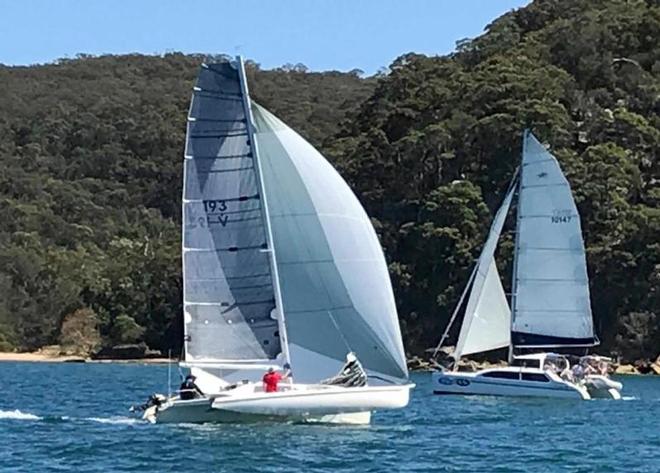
(73,418)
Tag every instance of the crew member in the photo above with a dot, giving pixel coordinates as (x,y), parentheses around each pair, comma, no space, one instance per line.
(188,389)
(271,378)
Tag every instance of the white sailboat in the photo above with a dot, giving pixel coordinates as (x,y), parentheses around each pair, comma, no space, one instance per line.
(281,267)
(550,304)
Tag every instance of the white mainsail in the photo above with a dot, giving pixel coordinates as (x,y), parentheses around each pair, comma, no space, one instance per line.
(487,322)
(336,290)
(551,304)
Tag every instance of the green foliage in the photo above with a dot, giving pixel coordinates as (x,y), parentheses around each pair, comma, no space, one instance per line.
(584,75)
(91,152)
(126,330)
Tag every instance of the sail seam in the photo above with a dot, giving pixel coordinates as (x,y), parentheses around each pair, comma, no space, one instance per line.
(558,184)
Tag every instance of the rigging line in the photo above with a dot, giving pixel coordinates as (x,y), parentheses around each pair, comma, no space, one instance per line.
(455,313)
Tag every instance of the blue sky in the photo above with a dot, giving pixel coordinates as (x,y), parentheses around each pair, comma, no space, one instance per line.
(322,34)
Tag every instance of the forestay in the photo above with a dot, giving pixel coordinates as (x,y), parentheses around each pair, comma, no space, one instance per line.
(551,304)
(487,322)
(336,292)
(228,286)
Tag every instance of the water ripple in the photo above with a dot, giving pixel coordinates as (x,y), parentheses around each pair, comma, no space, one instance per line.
(88,429)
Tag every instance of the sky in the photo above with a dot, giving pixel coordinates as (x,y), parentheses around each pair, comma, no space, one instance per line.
(322,34)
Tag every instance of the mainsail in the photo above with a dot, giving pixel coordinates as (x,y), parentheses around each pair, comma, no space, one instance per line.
(551,304)
(336,292)
(229,295)
(487,322)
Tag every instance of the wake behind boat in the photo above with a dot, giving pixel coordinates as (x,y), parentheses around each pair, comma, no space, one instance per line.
(281,268)
(550,302)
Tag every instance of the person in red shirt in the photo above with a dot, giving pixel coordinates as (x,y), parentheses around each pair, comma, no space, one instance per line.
(271,378)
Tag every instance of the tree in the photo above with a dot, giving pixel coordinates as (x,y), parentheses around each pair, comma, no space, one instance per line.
(79,334)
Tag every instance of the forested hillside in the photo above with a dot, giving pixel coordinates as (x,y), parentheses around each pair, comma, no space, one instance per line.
(431,153)
(91,151)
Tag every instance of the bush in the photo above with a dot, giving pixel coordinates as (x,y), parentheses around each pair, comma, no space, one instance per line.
(126,330)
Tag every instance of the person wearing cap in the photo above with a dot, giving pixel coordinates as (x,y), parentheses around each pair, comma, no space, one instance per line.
(188,389)
(271,378)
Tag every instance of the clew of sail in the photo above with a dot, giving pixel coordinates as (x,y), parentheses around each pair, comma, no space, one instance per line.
(487,322)
(336,292)
(551,304)
(229,295)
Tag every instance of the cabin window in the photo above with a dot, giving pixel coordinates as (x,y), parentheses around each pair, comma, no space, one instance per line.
(500,375)
(526,363)
(535,377)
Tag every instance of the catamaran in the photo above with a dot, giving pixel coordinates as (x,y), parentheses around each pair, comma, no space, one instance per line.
(550,303)
(282,268)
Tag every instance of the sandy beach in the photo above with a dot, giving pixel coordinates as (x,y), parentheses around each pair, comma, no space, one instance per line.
(45,357)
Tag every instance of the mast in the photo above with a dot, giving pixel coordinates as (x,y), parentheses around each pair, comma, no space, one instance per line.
(264,201)
(514,272)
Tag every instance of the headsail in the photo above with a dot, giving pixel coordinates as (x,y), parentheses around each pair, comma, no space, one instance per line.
(336,290)
(487,322)
(551,305)
(229,297)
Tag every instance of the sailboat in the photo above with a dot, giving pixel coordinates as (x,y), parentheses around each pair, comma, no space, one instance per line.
(282,269)
(550,302)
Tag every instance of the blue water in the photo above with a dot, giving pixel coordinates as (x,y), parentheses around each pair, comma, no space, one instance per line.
(73,418)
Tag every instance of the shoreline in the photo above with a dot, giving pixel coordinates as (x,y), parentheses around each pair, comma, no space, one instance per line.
(36,357)
(40,357)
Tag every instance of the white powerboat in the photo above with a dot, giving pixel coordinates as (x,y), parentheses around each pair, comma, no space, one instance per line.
(281,268)
(550,302)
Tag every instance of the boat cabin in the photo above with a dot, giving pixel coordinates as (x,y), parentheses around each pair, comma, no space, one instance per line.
(542,361)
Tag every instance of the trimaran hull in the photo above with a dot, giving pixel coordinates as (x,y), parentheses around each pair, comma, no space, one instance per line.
(324,404)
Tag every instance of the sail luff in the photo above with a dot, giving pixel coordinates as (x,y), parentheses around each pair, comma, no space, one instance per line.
(279,307)
(514,271)
(183,229)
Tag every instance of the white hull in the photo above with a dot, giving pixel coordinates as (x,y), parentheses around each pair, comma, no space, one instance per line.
(480,383)
(295,403)
(602,387)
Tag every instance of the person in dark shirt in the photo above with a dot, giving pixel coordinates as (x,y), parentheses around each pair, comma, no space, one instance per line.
(188,389)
